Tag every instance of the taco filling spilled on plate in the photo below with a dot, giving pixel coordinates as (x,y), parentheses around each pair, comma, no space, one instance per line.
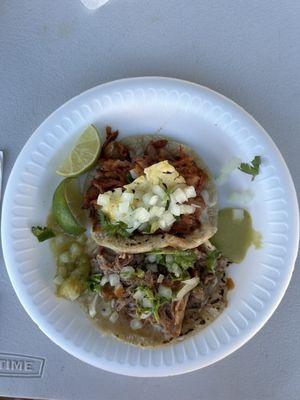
(154,298)
(149,192)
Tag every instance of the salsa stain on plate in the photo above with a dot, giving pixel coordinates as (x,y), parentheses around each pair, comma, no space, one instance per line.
(235,234)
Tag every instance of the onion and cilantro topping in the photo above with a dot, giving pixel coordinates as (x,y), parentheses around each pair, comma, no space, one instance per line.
(211,261)
(176,262)
(150,202)
(148,302)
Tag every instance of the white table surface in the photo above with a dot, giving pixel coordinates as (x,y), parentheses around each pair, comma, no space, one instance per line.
(50,51)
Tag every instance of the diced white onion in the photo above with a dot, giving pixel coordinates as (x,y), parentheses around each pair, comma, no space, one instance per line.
(179,196)
(145,314)
(156,211)
(226,170)
(59,239)
(123,207)
(153,200)
(169,258)
(103,200)
(114,280)
(127,272)
(196,205)
(114,317)
(127,197)
(244,197)
(135,324)
(133,174)
(75,250)
(147,303)
(138,295)
(58,280)
(175,269)
(165,291)
(154,226)
(142,215)
(104,280)
(162,224)
(186,209)
(189,285)
(168,218)
(151,258)
(158,191)
(113,303)
(92,306)
(190,192)
(174,209)
(146,198)
(152,267)
(238,214)
(65,257)
(160,278)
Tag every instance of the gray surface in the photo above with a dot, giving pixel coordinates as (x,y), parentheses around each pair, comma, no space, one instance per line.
(51,50)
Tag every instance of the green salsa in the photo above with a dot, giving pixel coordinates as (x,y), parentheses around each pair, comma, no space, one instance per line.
(235,234)
(72,261)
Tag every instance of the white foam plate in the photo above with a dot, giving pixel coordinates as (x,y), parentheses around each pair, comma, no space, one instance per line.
(217,129)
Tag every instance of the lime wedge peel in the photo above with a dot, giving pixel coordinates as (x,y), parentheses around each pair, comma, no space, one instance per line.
(84,154)
(64,216)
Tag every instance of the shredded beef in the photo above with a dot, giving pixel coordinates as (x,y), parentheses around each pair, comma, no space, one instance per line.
(114,165)
(175,318)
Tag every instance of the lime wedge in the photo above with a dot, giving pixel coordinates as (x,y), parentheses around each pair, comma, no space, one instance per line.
(64,216)
(74,199)
(84,154)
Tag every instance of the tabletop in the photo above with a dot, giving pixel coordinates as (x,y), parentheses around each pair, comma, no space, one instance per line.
(248,50)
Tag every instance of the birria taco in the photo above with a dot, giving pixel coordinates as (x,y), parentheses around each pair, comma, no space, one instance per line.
(149,192)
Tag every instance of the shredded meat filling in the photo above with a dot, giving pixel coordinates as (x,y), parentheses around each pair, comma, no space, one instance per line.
(171,316)
(115,164)
(174,317)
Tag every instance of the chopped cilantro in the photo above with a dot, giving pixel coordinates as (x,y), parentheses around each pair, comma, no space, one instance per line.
(155,300)
(129,178)
(177,262)
(94,282)
(253,168)
(211,261)
(140,273)
(112,229)
(42,233)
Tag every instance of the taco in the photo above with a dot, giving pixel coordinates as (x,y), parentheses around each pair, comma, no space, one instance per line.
(155,298)
(149,192)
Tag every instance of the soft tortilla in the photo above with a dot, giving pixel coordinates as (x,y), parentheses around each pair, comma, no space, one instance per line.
(141,243)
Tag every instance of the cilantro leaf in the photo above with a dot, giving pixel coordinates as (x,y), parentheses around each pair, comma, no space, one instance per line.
(167,196)
(155,300)
(211,260)
(129,178)
(112,229)
(94,283)
(42,233)
(253,168)
(158,302)
(140,273)
(176,262)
